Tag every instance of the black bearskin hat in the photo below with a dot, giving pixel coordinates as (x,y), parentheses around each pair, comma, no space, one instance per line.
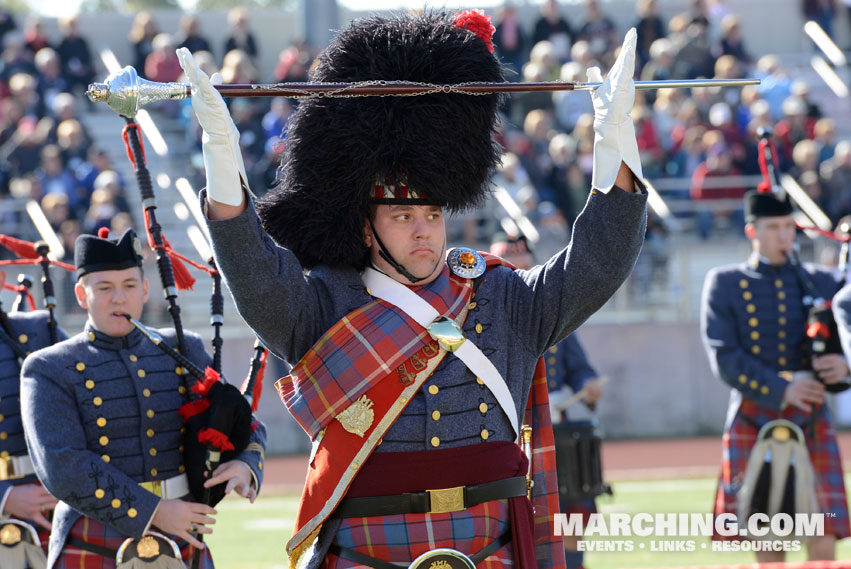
(440,144)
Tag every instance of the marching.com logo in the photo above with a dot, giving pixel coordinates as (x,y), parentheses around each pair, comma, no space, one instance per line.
(759,532)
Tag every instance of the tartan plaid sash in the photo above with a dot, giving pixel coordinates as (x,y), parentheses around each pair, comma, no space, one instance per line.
(350,362)
(362,348)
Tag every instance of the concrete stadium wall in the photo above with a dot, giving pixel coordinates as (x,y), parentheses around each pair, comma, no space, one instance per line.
(660,383)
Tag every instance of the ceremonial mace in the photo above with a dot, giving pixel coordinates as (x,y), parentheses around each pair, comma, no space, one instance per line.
(125,92)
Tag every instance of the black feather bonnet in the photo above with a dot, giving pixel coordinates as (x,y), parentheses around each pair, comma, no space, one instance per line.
(336,148)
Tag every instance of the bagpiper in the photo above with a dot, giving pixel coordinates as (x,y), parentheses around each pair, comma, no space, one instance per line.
(103,416)
(753,324)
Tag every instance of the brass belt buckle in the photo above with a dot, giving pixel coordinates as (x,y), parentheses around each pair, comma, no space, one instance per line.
(446,500)
(447,332)
(155,487)
(7,468)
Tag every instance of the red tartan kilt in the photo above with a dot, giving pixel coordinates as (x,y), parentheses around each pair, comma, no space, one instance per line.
(94,532)
(824,455)
(403,538)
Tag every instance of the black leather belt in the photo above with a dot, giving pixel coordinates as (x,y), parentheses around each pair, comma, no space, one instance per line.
(91,547)
(432,501)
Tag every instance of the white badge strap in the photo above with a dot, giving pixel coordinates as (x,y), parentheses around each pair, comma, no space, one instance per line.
(403,298)
(400,296)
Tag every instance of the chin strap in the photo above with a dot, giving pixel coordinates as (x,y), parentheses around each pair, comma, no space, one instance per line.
(382,250)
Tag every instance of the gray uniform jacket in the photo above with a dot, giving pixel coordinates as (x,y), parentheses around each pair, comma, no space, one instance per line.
(29,330)
(515,317)
(101,416)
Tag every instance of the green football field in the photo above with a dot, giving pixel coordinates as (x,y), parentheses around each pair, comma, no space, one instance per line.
(253,536)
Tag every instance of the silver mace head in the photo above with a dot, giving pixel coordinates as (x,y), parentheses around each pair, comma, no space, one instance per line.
(125,92)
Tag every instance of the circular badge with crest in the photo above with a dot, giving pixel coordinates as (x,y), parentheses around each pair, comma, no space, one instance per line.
(465,262)
(443,558)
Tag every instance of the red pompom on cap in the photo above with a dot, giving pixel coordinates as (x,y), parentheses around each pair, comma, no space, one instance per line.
(475,21)
(103,232)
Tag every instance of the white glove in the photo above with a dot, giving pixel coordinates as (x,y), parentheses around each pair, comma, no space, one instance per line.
(614,133)
(220,141)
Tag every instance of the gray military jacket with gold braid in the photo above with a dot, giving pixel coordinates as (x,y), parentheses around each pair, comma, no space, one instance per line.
(101,416)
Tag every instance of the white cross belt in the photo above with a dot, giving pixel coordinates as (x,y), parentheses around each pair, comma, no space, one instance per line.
(424,314)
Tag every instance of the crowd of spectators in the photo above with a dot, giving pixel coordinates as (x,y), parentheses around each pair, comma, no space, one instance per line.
(261,121)
(697,143)
(46,153)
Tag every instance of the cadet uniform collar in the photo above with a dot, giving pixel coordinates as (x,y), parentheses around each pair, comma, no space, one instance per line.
(107,342)
(760,263)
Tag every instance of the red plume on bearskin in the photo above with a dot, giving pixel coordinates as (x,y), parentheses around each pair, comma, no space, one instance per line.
(21,248)
(475,21)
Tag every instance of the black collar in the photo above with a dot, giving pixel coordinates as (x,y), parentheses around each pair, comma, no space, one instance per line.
(107,342)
